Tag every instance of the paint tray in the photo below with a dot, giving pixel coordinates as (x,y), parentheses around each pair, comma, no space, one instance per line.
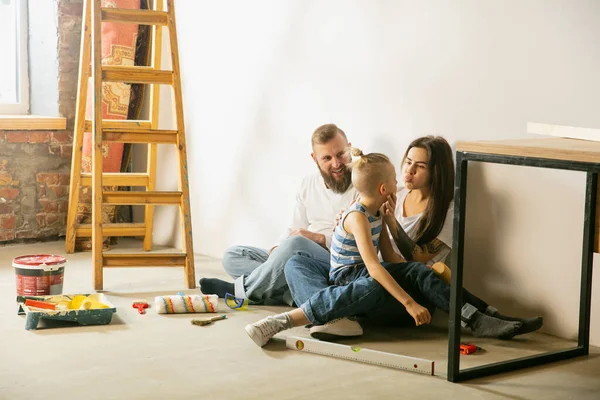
(92,316)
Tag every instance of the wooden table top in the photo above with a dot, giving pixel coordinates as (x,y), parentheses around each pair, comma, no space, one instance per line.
(550,148)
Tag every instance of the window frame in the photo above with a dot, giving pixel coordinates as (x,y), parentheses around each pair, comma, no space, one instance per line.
(22,106)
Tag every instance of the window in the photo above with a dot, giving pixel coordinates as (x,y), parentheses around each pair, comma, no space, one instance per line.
(14,78)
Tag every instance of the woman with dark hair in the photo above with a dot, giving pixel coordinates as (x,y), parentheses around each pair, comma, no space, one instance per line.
(419,216)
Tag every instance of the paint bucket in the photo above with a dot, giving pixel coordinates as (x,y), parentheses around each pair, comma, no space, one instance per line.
(39,274)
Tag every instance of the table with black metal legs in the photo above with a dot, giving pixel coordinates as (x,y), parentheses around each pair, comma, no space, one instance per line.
(557,153)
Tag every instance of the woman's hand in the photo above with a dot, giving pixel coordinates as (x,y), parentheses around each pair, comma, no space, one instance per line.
(388,210)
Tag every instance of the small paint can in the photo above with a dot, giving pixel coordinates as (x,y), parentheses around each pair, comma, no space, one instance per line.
(39,274)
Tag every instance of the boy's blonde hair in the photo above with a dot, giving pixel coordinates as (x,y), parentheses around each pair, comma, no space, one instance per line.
(369,171)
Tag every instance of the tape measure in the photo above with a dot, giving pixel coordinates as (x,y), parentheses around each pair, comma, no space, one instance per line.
(391,360)
(468,348)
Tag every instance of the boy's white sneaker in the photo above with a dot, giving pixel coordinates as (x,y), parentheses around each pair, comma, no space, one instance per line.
(337,329)
(262,331)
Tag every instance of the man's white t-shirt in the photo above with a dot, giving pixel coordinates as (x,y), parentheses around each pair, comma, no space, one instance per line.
(317,206)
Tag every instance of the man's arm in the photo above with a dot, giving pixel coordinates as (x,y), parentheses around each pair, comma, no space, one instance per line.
(300,223)
(318,238)
(299,219)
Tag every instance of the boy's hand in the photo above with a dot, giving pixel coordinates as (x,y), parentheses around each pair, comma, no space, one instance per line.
(419,313)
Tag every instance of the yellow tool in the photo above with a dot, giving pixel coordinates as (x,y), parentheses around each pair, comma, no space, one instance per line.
(442,271)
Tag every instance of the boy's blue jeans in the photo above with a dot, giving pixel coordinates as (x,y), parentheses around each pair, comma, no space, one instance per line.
(259,277)
(355,293)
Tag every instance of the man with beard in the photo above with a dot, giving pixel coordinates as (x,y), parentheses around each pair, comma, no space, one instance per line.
(259,273)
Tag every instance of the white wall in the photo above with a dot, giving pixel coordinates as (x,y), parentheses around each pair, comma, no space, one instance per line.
(260,76)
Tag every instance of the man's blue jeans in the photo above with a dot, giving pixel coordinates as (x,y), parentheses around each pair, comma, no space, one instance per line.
(259,277)
(355,293)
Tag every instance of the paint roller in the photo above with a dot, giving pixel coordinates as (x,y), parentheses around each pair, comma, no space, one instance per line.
(180,303)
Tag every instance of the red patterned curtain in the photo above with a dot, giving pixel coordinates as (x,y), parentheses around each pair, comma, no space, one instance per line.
(120,43)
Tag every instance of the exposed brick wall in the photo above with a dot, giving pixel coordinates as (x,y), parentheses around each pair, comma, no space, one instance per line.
(34,184)
(35,165)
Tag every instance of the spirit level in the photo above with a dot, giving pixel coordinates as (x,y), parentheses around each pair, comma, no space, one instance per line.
(359,354)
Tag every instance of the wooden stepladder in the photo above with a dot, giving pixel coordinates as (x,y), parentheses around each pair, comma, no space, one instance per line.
(128,131)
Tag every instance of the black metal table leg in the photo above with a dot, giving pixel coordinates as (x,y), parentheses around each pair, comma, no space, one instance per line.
(455,374)
(460,197)
(587,258)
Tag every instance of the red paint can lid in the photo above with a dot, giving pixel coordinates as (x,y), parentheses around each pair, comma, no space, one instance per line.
(36,260)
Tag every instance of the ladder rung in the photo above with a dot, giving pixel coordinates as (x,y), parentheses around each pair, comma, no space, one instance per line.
(143,260)
(125,229)
(117,73)
(141,198)
(127,124)
(117,179)
(143,17)
(146,136)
